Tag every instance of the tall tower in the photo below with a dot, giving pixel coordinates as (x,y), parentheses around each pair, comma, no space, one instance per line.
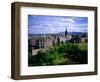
(66,32)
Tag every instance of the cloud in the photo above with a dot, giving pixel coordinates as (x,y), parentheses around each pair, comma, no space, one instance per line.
(54,24)
(67,20)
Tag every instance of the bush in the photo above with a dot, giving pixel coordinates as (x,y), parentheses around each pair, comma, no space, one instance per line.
(30,59)
(61,54)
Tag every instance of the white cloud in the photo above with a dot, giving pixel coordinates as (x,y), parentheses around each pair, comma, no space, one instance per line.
(68,20)
(56,24)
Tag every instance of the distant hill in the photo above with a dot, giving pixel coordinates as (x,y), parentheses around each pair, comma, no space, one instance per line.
(76,33)
(60,34)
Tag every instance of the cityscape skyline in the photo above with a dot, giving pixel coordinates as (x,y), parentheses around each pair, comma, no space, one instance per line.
(39,24)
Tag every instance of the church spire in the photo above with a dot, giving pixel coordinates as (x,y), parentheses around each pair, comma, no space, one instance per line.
(66,32)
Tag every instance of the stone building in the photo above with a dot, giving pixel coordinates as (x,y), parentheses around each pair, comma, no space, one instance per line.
(40,42)
(44,41)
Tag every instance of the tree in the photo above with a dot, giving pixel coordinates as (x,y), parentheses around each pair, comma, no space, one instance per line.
(29,46)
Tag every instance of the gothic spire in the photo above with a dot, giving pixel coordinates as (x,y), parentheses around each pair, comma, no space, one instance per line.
(66,31)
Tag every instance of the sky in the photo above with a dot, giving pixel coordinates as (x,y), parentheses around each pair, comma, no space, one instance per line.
(42,24)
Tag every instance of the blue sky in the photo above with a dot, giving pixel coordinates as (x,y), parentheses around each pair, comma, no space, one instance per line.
(39,24)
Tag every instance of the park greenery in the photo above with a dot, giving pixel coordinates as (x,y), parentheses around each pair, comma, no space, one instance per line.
(60,54)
